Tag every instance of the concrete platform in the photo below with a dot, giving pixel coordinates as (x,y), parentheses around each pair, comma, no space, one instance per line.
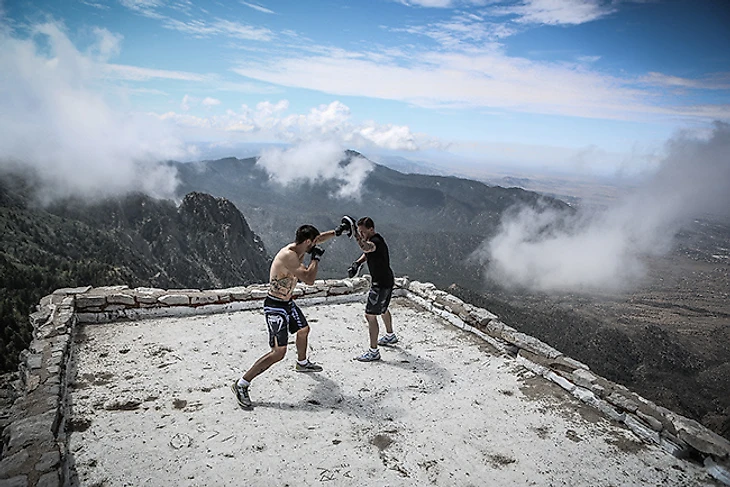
(151,405)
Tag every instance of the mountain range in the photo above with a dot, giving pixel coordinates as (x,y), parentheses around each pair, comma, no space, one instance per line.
(231,216)
(431,223)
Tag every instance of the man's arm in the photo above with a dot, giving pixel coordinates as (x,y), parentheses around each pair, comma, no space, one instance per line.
(355,267)
(306,274)
(365,244)
(323,237)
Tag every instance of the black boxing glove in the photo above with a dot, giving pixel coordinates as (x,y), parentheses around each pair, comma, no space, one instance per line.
(353,269)
(346,225)
(316,252)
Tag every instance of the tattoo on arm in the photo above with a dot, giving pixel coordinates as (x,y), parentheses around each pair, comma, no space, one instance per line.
(365,245)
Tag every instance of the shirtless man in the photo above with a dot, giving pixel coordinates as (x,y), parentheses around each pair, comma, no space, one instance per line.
(283,316)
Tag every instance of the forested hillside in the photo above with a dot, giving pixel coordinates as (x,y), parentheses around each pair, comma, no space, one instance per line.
(204,242)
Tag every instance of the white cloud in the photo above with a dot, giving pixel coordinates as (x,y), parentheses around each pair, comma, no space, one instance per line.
(717,82)
(55,121)
(190,101)
(258,7)
(185,103)
(100,6)
(269,121)
(142,4)
(210,102)
(197,27)
(316,161)
(220,27)
(147,8)
(542,249)
(108,44)
(460,80)
(469,78)
(427,3)
(558,12)
(462,31)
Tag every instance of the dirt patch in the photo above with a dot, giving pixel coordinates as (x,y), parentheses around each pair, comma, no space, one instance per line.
(573,436)
(499,461)
(543,432)
(381,441)
(624,443)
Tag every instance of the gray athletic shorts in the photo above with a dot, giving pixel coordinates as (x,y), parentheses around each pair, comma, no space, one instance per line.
(378,300)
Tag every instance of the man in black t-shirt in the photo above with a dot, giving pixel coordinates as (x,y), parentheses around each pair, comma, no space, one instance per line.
(375,252)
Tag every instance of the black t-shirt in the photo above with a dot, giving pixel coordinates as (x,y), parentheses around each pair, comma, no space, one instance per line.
(379,263)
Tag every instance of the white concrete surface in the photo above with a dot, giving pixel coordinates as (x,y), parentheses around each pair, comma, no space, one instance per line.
(152,406)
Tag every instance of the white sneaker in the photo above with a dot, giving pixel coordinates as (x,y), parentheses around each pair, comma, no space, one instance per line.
(369,356)
(388,340)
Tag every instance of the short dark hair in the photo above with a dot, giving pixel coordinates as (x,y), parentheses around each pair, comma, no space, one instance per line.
(306,232)
(366,222)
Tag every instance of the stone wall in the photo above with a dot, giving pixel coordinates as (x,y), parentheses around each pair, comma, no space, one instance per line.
(34,441)
(680,436)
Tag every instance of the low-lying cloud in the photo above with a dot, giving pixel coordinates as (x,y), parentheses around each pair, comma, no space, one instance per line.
(57,123)
(317,161)
(546,250)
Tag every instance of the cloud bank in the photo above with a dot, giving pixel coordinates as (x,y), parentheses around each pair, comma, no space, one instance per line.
(270,121)
(313,162)
(545,250)
(56,122)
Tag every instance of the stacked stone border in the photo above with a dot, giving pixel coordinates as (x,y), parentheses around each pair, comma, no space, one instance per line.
(34,444)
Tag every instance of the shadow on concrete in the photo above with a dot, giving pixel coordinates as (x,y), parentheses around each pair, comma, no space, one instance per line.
(328,394)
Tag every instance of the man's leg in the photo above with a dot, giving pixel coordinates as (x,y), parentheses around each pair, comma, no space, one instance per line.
(388,321)
(302,341)
(261,365)
(240,387)
(303,363)
(373,330)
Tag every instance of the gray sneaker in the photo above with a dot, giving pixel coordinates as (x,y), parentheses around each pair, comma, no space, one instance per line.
(308,367)
(369,356)
(242,395)
(388,340)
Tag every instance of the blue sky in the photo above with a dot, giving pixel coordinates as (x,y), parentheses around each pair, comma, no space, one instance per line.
(569,85)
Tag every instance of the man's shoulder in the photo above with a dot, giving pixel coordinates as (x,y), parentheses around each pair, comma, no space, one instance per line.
(286,255)
(286,251)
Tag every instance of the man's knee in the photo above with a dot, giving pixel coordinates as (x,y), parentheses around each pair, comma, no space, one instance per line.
(278,353)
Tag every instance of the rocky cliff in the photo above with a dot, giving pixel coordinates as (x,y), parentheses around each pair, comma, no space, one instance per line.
(204,242)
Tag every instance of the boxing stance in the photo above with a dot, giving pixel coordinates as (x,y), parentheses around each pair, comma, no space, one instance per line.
(282,314)
(375,253)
